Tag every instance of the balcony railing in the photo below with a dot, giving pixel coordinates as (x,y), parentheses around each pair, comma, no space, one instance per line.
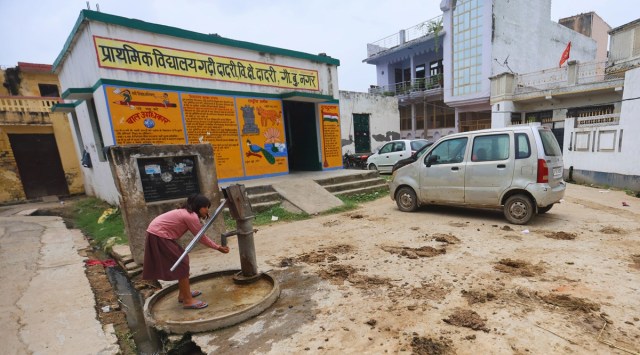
(422,29)
(556,78)
(27,104)
(611,119)
(407,87)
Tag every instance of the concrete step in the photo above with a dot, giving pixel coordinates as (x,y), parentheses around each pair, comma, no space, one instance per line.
(363,175)
(264,197)
(263,206)
(361,190)
(337,188)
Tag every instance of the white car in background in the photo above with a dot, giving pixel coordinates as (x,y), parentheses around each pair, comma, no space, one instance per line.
(384,159)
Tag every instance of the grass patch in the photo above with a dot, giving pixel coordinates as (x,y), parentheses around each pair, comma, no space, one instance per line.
(352,202)
(87,212)
(266,217)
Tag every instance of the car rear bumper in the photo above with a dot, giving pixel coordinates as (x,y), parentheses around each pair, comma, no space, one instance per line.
(546,195)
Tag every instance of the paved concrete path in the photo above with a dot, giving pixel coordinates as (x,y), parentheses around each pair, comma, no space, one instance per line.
(46,303)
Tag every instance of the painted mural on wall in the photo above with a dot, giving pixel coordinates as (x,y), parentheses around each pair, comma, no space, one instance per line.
(330,132)
(262,132)
(125,55)
(247,134)
(145,116)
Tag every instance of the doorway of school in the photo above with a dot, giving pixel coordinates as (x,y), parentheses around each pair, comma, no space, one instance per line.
(39,165)
(302,136)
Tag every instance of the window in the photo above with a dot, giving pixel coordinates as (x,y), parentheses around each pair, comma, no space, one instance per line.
(387,148)
(490,148)
(405,117)
(523,147)
(435,68)
(590,111)
(467,47)
(49,90)
(448,152)
(97,133)
(549,143)
(399,147)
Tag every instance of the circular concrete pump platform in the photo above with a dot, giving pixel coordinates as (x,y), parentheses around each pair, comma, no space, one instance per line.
(229,303)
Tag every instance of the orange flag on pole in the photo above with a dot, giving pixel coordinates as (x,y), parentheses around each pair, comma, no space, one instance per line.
(565,54)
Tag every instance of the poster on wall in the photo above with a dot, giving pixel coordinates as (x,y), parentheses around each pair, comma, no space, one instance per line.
(330,132)
(262,136)
(141,116)
(212,119)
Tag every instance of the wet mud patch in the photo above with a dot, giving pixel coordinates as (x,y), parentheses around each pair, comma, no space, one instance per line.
(612,230)
(476,296)
(446,238)
(560,235)
(506,228)
(356,216)
(338,274)
(635,261)
(571,303)
(468,319)
(414,253)
(326,254)
(431,291)
(429,346)
(518,267)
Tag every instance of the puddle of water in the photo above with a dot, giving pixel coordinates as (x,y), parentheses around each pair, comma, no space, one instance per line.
(146,339)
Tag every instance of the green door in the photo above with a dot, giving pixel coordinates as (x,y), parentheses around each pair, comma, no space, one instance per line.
(362,136)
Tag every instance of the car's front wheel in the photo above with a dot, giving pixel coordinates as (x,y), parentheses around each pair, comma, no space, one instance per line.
(519,209)
(373,166)
(406,199)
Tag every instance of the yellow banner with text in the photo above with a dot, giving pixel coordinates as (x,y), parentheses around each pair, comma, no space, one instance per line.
(118,54)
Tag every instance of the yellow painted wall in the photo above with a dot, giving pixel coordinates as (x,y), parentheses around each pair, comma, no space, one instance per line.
(30,81)
(15,122)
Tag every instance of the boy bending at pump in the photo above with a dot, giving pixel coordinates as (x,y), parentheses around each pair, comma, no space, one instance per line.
(161,250)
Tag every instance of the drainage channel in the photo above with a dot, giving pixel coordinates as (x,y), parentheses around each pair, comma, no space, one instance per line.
(146,339)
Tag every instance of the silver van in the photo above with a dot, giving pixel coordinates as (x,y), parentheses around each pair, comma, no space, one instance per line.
(517,169)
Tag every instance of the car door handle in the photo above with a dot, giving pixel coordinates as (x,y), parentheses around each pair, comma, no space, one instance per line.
(455,168)
(501,166)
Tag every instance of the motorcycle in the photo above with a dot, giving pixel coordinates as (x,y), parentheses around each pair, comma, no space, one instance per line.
(355,161)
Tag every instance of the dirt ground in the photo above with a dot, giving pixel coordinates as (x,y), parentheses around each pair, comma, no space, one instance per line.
(446,281)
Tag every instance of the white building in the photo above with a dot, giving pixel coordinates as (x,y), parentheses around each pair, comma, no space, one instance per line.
(484,38)
(593,104)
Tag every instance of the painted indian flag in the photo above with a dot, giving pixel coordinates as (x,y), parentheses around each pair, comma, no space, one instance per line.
(330,118)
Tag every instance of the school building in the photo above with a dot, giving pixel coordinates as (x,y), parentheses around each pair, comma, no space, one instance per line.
(266,111)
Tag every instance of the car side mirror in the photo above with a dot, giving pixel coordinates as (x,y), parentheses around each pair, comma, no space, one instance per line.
(432,159)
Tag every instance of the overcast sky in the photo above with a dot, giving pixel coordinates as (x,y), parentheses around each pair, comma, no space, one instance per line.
(35,31)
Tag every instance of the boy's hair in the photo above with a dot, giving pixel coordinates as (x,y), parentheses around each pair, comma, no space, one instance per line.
(195,202)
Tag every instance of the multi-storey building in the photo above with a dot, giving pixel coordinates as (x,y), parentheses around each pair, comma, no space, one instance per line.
(409,67)
(440,70)
(37,156)
(594,105)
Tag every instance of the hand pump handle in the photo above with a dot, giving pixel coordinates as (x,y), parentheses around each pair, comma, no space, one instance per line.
(197,237)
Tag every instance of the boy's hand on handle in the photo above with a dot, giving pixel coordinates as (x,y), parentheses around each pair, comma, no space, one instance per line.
(223,250)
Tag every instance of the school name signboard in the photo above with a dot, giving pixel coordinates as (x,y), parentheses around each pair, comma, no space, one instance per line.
(119,54)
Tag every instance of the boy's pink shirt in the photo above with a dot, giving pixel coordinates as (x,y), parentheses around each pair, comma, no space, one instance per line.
(175,223)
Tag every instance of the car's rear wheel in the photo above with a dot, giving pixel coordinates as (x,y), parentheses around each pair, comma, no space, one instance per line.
(545,209)
(519,209)
(373,166)
(406,199)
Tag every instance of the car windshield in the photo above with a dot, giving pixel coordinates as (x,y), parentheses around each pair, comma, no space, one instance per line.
(416,145)
(549,143)
(423,150)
